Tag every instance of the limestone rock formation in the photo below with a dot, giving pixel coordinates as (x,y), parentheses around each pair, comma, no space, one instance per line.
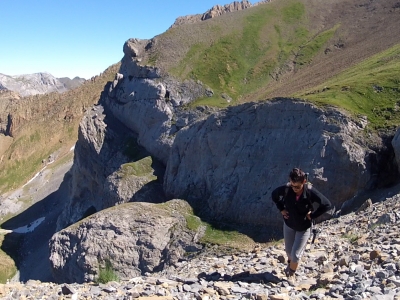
(135,237)
(109,169)
(32,84)
(228,164)
(147,102)
(216,11)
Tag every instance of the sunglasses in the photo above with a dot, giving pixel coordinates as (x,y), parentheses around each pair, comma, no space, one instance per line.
(296,187)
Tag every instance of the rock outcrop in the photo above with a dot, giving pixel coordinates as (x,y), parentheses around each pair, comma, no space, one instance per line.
(228,164)
(7,99)
(135,237)
(32,84)
(216,11)
(109,169)
(148,102)
(71,84)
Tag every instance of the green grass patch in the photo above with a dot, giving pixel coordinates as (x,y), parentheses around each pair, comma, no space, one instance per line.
(214,101)
(19,170)
(152,59)
(293,12)
(35,137)
(244,60)
(142,167)
(351,237)
(224,237)
(370,88)
(314,46)
(7,265)
(192,222)
(106,274)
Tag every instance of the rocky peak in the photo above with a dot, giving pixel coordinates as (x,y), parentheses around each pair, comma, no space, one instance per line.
(32,84)
(216,11)
(71,83)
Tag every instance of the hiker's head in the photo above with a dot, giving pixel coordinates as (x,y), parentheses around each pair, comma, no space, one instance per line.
(297,179)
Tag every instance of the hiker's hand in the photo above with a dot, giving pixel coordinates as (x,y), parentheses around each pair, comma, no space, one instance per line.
(285,214)
(309,215)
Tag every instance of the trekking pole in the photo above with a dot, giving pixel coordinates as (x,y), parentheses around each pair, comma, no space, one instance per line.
(314,232)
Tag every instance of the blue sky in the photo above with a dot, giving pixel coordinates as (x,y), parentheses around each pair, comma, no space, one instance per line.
(69,38)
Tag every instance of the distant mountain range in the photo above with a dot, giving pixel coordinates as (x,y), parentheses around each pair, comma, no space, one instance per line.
(38,83)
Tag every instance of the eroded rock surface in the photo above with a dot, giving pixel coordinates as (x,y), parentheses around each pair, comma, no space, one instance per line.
(109,169)
(135,237)
(228,164)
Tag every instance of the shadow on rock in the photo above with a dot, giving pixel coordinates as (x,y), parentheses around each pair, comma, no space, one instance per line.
(243,277)
(29,245)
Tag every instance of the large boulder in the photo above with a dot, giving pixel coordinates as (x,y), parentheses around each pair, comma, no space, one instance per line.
(135,238)
(227,165)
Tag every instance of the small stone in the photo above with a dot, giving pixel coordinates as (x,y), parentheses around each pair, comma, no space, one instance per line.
(374,254)
(67,290)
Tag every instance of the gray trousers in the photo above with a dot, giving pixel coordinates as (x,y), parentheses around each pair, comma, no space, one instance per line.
(295,242)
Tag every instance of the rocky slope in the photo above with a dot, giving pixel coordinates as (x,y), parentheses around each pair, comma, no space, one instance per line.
(71,83)
(32,84)
(354,257)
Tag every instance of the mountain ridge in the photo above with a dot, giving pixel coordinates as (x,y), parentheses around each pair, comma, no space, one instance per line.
(38,83)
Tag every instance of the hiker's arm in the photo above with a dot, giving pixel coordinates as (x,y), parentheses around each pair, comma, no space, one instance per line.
(324,204)
(277,197)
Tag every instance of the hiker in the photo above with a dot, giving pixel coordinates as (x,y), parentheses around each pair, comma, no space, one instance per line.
(295,202)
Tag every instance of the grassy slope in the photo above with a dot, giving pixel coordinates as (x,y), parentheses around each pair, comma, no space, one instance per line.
(285,47)
(7,265)
(370,88)
(241,60)
(51,126)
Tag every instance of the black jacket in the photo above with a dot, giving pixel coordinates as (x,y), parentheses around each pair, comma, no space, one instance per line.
(298,210)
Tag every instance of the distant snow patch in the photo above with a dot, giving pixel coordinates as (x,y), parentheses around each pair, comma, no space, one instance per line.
(30,227)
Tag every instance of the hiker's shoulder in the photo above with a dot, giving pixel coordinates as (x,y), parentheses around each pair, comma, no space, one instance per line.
(313,191)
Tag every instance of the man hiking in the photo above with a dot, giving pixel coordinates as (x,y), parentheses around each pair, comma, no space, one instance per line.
(295,202)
